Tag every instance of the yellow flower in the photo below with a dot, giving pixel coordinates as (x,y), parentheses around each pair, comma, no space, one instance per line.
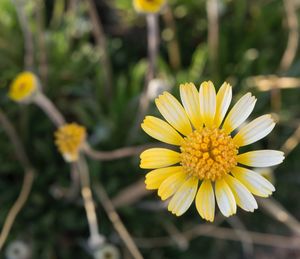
(208,154)
(148,6)
(69,140)
(23,87)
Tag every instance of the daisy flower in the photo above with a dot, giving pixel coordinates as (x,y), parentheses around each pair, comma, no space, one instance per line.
(148,6)
(207,165)
(24,87)
(69,140)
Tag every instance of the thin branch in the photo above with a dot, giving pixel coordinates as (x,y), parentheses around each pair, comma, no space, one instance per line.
(293,37)
(95,238)
(14,138)
(28,177)
(28,42)
(50,109)
(278,212)
(131,194)
(42,50)
(116,221)
(245,238)
(172,43)
(18,205)
(115,154)
(213,32)
(209,230)
(153,43)
(292,142)
(101,42)
(268,82)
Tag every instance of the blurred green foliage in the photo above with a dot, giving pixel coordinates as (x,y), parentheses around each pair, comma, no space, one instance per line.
(252,39)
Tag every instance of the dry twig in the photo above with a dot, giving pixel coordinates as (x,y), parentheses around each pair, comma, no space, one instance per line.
(101,42)
(213,32)
(28,42)
(50,109)
(116,221)
(115,154)
(209,230)
(293,36)
(27,182)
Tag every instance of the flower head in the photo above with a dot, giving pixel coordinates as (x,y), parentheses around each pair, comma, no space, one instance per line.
(23,87)
(148,6)
(69,140)
(208,152)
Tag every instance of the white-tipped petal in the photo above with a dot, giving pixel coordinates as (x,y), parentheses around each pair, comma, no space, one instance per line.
(190,100)
(158,157)
(239,112)
(205,201)
(183,197)
(225,198)
(161,130)
(170,185)
(224,97)
(155,177)
(243,197)
(207,97)
(254,131)
(253,181)
(261,158)
(174,113)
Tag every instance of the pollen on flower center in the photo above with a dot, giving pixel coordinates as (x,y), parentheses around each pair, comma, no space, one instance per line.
(208,153)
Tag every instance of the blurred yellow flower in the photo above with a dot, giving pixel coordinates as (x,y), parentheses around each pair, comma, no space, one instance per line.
(148,6)
(69,139)
(23,88)
(209,152)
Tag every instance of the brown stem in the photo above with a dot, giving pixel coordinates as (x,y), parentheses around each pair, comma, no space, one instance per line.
(172,44)
(117,153)
(49,108)
(209,230)
(153,43)
(28,42)
(101,42)
(28,177)
(116,221)
(213,33)
(293,36)
(95,238)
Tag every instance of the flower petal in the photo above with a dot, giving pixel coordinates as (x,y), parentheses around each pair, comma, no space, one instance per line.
(225,198)
(158,157)
(170,185)
(205,201)
(254,131)
(155,177)
(241,194)
(253,181)
(190,100)
(207,97)
(161,130)
(239,112)
(184,197)
(224,97)
(173,112)
(261,158)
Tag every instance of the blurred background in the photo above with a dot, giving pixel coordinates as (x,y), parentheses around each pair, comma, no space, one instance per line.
(92,60)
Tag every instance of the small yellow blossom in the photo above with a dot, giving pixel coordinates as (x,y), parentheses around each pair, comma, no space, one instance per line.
(24,87)
(208,166)
(69,140)
(148,6)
